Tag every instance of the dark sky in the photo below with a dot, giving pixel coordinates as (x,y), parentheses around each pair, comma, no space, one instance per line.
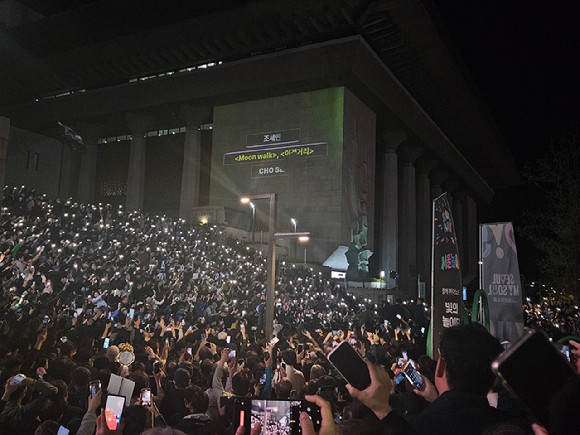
(524,56)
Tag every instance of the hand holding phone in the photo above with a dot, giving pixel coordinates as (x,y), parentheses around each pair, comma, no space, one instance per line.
(350,365)
(114,411)
(146,397)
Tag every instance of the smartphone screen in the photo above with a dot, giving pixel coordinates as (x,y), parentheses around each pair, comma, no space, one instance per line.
(95,387)
(399,378)
(114,411)
(350,365)
(232,354)
(131,313)
(277,417)
(17,379)
(228,339)
(189,350)
(146,397)
(202,337)
(413,376)
(62,431)
(537,373)
(263,378)
(300,348)
(106,342)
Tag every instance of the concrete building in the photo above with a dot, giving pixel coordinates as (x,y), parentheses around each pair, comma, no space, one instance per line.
(356,113)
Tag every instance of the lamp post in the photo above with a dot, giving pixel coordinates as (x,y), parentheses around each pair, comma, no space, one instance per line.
(271,263)
(293,221)
(253,221)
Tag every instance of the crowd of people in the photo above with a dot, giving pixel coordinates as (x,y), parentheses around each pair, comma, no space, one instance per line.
(85,285)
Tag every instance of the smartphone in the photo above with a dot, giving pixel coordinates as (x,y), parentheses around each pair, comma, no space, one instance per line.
(146,397)
(350,365)
(203,337)
(75,314)
(62,431)
(131,313)
(63,339)
(335,332)
(536,372)
(232,354)
(327,393)
(17,379)
(95,387)
(46,320)
(189,351)
(399,378)
(280,416)
(300,347)
(114,411)
(156,367)
(228,339)
(106,342)
(404,353)
(413,376)
(167,341)
(566,351)
(386,323)
(263,378)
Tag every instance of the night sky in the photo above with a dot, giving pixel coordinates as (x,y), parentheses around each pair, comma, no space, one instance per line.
(524,56)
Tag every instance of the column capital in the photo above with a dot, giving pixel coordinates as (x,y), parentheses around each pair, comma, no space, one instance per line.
(393,138)
(438,175)
(425,165)
(139,125)
(194,116)
(410,152)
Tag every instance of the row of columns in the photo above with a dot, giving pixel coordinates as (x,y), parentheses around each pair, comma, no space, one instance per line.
(140,126)
(410,182)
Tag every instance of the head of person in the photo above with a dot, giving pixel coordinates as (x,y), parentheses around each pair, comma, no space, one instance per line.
(283,388)
(466,353)
(181,378)
(196,400)
(289,356)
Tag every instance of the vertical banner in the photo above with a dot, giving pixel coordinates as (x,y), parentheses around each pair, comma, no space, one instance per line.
(446,288)
(500,279)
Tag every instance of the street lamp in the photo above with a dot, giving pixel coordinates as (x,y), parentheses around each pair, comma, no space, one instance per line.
(271,263)
(293,223)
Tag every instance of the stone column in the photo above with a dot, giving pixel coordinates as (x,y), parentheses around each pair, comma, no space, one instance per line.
(424,221)
(4,136)
(390,210)
(190,179)
(88,170)
(408,226)
(437,176)
(139,126)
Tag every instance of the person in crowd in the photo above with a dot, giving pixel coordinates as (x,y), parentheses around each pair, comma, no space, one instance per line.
(88,292)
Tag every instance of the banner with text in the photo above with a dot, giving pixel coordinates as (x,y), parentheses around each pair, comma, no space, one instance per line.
(446,288)
(500,279)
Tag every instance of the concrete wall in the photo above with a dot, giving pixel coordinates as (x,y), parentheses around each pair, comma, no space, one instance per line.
(34,161)
(305,166)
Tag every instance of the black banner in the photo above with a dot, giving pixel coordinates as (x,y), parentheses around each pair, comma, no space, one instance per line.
(446,290)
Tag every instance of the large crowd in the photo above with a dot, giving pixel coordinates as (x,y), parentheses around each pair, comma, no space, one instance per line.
(84,284)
